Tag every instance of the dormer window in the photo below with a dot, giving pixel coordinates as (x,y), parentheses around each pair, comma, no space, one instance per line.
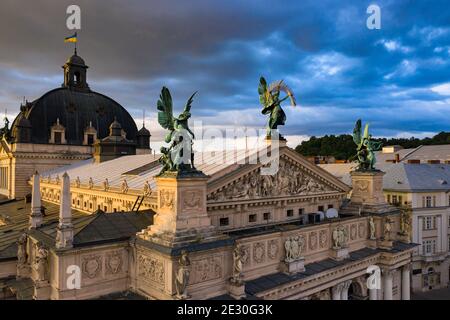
(90,135)
(58,133)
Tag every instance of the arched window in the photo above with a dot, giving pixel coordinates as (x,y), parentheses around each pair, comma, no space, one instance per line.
(77,79)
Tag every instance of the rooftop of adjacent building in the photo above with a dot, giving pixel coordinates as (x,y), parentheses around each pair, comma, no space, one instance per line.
(89,229)
(403,176)
(423,153)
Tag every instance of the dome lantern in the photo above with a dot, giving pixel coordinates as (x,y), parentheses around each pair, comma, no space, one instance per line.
(75,73)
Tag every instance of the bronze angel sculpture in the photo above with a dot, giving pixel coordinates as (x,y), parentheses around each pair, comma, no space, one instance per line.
(365,147)
(178,155)
(269,97)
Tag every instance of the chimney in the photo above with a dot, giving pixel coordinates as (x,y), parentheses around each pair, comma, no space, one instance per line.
(414,161)
(64,233)
(36,213)
(434,161)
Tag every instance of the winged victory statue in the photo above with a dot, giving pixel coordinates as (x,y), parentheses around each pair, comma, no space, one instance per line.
(178,156)
(366,147)
(269,97)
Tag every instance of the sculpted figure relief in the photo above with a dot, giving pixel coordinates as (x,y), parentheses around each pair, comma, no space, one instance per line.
(289,180)
(405,220)
(124,188)
(294,247)
(182,277)
(237,265)
(147,189)
(340,237)
(40,262)
(387,228)
(22,250)
(372,228)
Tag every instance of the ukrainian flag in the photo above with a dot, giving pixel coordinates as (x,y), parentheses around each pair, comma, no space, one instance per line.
(71,38)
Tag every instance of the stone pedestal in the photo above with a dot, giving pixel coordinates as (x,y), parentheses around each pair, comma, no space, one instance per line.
(372,243)
(367,194)
(181,216)
(236,290)
(367,187)
(339,254)
(291,267)
(385,244)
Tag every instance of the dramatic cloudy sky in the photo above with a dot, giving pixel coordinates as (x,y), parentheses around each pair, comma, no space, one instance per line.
(397,78)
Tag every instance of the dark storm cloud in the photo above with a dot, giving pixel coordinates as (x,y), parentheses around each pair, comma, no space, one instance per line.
(394,77)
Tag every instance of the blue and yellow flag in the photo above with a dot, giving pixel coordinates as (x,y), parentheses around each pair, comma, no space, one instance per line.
(72,38)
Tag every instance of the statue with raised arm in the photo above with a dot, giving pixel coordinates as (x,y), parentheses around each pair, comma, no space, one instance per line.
(269,97)
(366,147)
(178,156)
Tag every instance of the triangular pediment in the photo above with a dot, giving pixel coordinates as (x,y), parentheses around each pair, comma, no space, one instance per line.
(295,176)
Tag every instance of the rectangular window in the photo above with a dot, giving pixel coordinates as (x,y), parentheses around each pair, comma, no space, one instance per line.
(389,198)
(448,245)
(302,211)
(224,222)
(428,201)
(434,201)
(429,247)
(252,218)
(58,137)
(330,206)
(394,200)
(320,208)
(400,200)
(90,139)
(429,223)
(290,213)
(266,216)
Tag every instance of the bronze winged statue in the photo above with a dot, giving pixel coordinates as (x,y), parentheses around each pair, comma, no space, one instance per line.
(178,156)
(365,147)
(269,97)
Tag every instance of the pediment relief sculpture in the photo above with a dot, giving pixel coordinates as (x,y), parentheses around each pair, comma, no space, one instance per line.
(289,180)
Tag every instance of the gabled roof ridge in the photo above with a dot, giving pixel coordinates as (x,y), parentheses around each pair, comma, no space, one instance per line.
(96,216)
(411,152)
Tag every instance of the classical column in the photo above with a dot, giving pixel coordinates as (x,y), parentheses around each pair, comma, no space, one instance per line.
(345,287)
(406,283)
(373,294)
(64,231)
(36,214)
(336,292)
(387,284)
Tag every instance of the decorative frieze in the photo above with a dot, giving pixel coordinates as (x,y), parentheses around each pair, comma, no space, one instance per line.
(151,268)
(291,179)
(92,265)
(114,262)
(206,269)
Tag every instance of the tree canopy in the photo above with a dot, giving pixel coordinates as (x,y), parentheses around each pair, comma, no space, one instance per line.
(342,147)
